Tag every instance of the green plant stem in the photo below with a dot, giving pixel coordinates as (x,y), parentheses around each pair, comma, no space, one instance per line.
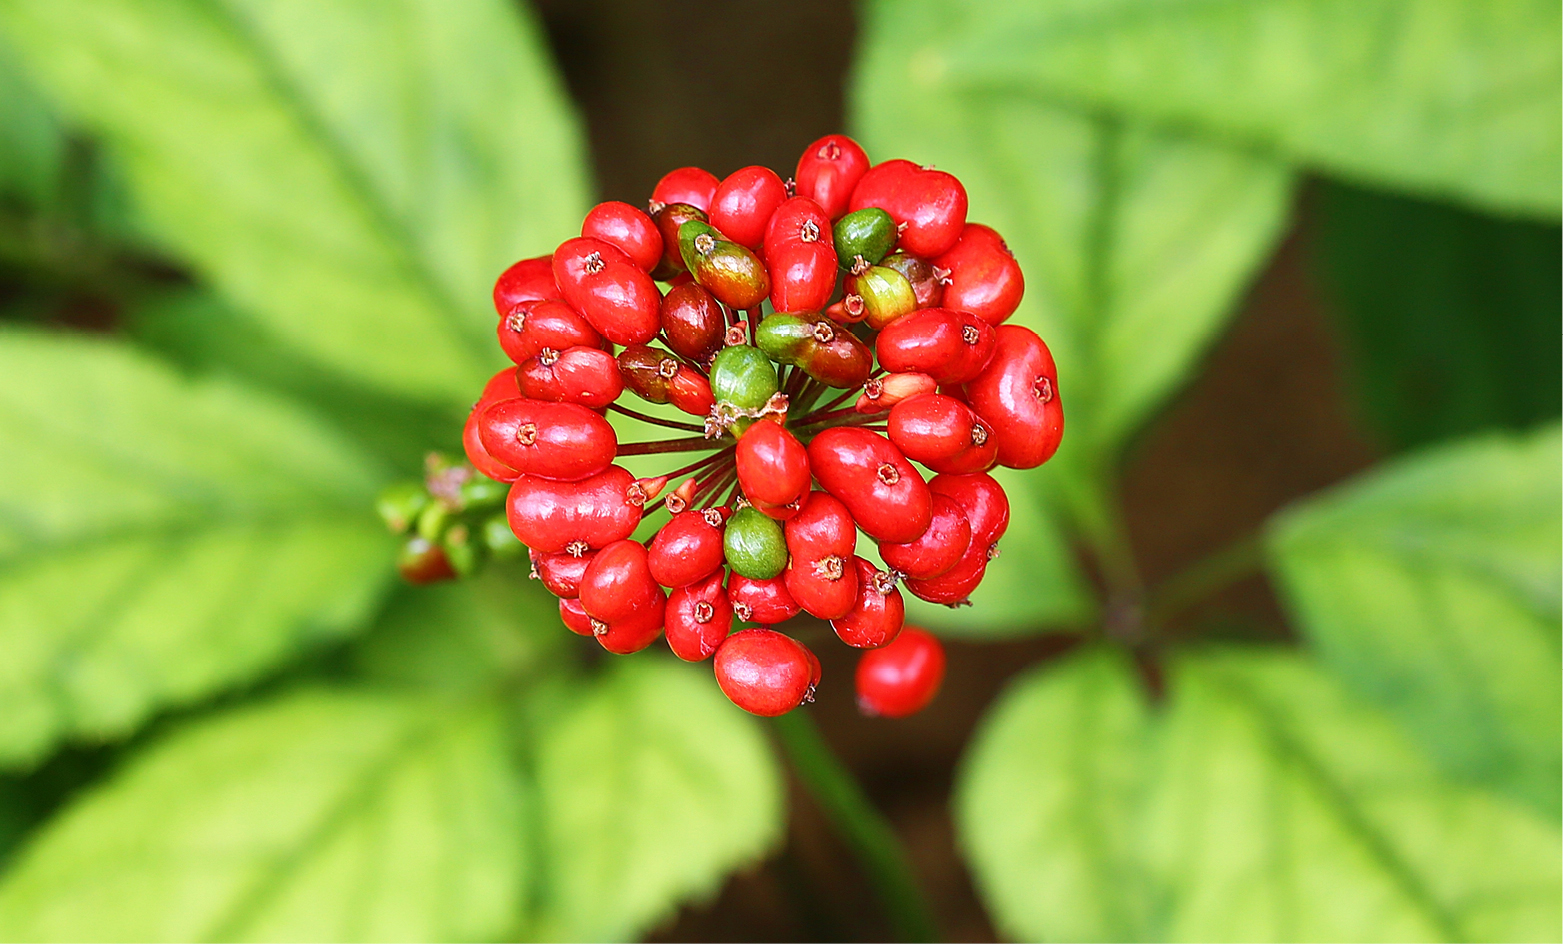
(858,824)
(1205,577)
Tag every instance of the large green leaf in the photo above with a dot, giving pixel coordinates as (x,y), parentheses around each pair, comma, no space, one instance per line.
(160,540)
(354,174)
(1270,805)
(1445,97)
(653,788)
(1452,316)
(31,140)
(1433,586)
(319,816)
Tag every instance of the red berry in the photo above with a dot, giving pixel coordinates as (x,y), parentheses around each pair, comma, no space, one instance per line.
(554,440)
(829,170)
(549,516)
(763,672)
(952,347)
(877,613)
(561,573)
(781,512)
(423,561)
(931,204)
(693,322)
(618,590)
(601,282)
(688,548)
(941,546)
(761,601)
(956,584)
(982,499)
(628,228)
(797,222)
(658,377)
(882,393)
(773,467)
(820,542)
(984,277)
(803,277)
(698,618)
(903,677)
(886,496)
(931,427)
(501,386)
(587,376)
(529,280)
(689,185)
(1018,395)
(743,204)
(533,327)
(573,615)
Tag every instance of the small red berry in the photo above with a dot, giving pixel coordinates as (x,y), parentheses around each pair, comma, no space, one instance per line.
(763,672)
(886,496)
(529,280)
(501,386)
(761,601)
(903,677)
(773,467)
(821,539)
(955,585)
(1018,395)
(984,277)
(586,376)
(952,347)
(743,204)
(829,170)
(931,204)
(693,322)
(941,546)
(573,615)
(802,277)
(698,618)
(533,327)
(878,612)
(618,590)
(561,573)
(601,282)
(668,219)
(688,548)
(549,516)
(562,441)
(628,228)
(689,185)
(423,561)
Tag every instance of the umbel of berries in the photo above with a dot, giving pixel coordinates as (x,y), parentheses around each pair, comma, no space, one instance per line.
(823,354)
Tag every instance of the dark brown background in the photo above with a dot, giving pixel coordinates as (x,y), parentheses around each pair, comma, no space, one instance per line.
(726,84)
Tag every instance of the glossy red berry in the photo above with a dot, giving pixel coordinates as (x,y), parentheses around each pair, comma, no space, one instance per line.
(773,467)
(829,170)
(761,601)
(952,347)
(763,672)
(534,327)
(573,615)
(617,590)
(983,500)
(601,282)
(939,549)
(692,322)
(501,386)
(658,377)
(883,393)
(800,257)
(1018,395)
(820,541)
(689,185)
(586,376)
(903,677)
(698,618)
(931,204)
(955,585)
(529,280)
(561,573)
(550,516)
(983,276)
(554,440)
(886,496)
(688,548)
(927,282)
(743,203)
(878,612)
(629,228)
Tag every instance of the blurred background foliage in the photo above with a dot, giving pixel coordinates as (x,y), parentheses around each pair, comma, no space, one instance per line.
(245,253)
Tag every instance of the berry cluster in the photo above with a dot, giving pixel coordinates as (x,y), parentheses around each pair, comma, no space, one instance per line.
(885,303)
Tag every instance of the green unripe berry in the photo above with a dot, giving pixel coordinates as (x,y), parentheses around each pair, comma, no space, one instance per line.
(867,234)
(463,550)
(400,505)
(743,376)
(783,337)
(500,540)
(755,545)
(886,294)
(730,272)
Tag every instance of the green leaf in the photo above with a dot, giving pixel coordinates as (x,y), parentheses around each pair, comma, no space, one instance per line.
(316,816)
(463,635)
(161,540)
(32,144)
(354,175)
(1433,586)
(1442,97)
(1452,316)
(653,787)
(1043,801)
(1264,803)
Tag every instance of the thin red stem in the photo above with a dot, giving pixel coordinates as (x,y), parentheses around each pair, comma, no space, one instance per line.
(823,415)
(712,459)
(667,445)
(840,400)
(654,420)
